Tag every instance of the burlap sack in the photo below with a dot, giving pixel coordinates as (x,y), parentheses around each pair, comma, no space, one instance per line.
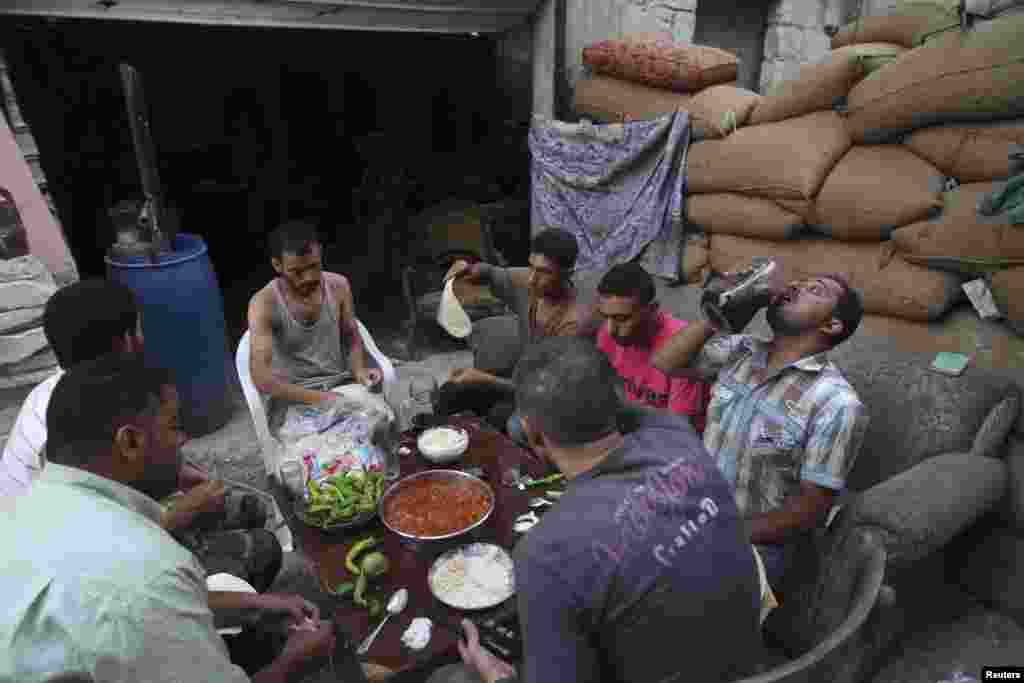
(737,214)
(824,84)
(973,76)
(714,112)
(961,239)
(783,160)
(695,264)
(887,284)
(719,110)
(1008,291)
(661,63)
(875,189)
(904,22)
(611,100)
(971,153)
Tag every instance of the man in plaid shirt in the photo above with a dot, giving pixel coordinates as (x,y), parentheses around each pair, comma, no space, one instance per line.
(783,425)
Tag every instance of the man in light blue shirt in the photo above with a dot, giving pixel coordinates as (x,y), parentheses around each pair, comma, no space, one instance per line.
(94,588)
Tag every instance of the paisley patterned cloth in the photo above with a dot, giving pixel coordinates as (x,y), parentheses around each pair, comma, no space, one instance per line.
(619,188)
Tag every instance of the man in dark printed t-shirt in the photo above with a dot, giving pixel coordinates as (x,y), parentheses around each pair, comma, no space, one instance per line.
(643,571)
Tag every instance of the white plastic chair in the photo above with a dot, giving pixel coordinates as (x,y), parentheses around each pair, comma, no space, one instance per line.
(270,446)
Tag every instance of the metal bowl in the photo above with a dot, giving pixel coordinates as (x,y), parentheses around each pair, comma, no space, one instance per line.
(456,475)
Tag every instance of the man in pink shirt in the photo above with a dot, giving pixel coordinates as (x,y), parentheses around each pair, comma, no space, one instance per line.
(634,328)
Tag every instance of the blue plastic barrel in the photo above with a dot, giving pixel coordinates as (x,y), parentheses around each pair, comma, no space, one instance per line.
(183,326)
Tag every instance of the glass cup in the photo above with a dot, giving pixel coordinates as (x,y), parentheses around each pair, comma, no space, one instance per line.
(292,477)
(419,406)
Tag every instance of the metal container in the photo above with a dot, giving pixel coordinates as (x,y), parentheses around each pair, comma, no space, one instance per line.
(455,475)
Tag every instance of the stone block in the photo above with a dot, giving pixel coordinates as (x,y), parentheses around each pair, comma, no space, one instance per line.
(783,43)
(816,45)
(637,18)
(797,13)
(683,30)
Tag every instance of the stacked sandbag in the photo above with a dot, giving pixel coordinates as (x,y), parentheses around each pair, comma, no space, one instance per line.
(714,112)
(961,239)
(906,22)
(971,153)
(661,63)
(783,160)
(25,356)
(825,84)
(644,77)
(972,75)
(1008,291)
(875,189)
(888,284)
(729,213)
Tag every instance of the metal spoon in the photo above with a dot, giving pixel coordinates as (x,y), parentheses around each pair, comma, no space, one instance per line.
(396,604)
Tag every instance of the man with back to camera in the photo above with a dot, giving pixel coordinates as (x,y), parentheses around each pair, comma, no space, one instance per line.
(634,328)
(98,590)
(304,338)
(783,424)
(84,321)
(643,568)
(544,300)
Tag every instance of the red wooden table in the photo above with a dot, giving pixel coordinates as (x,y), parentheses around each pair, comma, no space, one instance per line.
(488,449)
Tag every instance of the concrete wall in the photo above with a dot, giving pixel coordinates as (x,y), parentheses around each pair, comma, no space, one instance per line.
(737,26)
(772,37)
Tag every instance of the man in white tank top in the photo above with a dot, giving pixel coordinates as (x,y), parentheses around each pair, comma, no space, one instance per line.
(304,339)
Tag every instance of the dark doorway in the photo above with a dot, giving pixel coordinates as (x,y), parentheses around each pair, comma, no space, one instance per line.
(257,126)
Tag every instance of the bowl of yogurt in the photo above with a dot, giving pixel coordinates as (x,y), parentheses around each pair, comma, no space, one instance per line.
(443,445)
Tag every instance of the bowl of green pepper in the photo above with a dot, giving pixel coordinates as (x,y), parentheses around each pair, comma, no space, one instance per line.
(342,501)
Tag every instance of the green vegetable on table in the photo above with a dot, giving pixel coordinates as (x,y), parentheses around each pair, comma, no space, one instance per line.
(343,496)
(372,565)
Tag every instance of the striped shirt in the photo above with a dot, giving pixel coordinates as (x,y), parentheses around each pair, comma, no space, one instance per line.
(770,432)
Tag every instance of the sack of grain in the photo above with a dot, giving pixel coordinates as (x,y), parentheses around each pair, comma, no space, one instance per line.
(875,189)
(904,22)
(783,160)
(695,265)
(824,84)
(1008,291)
(737,214)
(610,100)
(960,238)
(971,153)
(887,284)
(661,63)
(977,75)
(719,110)
(714,112)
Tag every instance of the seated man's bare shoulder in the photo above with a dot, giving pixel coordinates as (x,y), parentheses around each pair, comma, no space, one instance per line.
(261,306)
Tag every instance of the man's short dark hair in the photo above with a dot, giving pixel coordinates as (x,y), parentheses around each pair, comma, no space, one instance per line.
(849,309)
(565,388)
(94,399)
(81,321)
(558,245)
(628,280)
(293,237)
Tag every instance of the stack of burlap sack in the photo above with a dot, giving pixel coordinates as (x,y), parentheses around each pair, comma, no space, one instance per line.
(25,355)
(872,163)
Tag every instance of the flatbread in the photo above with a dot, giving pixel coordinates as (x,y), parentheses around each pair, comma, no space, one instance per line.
(450,314)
